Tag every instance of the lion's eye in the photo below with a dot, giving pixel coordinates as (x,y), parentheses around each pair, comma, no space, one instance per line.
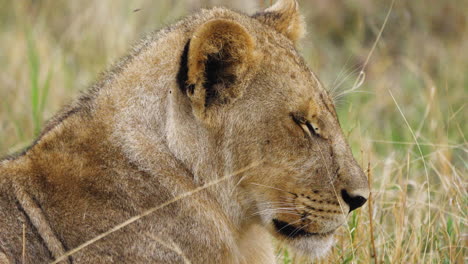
(315,130)
(309,128)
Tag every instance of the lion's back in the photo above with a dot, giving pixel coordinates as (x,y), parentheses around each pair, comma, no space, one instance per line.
(18,238)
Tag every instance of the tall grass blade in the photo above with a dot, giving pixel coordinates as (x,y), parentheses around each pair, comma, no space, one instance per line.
(33,62)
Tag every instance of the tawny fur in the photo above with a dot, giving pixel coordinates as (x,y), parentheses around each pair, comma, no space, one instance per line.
(166,121)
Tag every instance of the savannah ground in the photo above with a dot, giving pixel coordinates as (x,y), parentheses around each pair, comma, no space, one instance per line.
(405,117)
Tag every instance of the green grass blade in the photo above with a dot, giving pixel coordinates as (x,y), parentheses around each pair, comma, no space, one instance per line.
(45,92)
(33,62)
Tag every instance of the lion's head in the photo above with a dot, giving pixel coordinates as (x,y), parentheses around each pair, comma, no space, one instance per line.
(246,96)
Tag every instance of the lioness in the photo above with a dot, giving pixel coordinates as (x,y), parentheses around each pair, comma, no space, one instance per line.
(210,137)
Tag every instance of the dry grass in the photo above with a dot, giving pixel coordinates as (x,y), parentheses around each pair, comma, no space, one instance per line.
(407,119)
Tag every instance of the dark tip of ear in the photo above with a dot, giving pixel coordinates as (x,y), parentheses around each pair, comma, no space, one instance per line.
(182,75)
(218,77)
(190,88)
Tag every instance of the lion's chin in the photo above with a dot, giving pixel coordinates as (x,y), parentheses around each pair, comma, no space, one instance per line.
(314,247)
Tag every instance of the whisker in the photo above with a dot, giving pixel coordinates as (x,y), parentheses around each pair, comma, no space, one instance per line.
(340,95)
(285,211)
(290,224)
(277,204)
(299,229)
(271,187)
(345,78)
(342,71)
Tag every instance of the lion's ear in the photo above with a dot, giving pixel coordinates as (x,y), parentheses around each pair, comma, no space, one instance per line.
(285,17)
(220,54)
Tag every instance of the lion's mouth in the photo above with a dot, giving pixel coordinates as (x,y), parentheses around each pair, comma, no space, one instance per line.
(291,231)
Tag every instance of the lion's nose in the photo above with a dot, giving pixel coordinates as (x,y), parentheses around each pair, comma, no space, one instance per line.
(354,200)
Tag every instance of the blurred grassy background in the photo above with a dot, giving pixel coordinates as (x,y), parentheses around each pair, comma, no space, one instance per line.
(408,120)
